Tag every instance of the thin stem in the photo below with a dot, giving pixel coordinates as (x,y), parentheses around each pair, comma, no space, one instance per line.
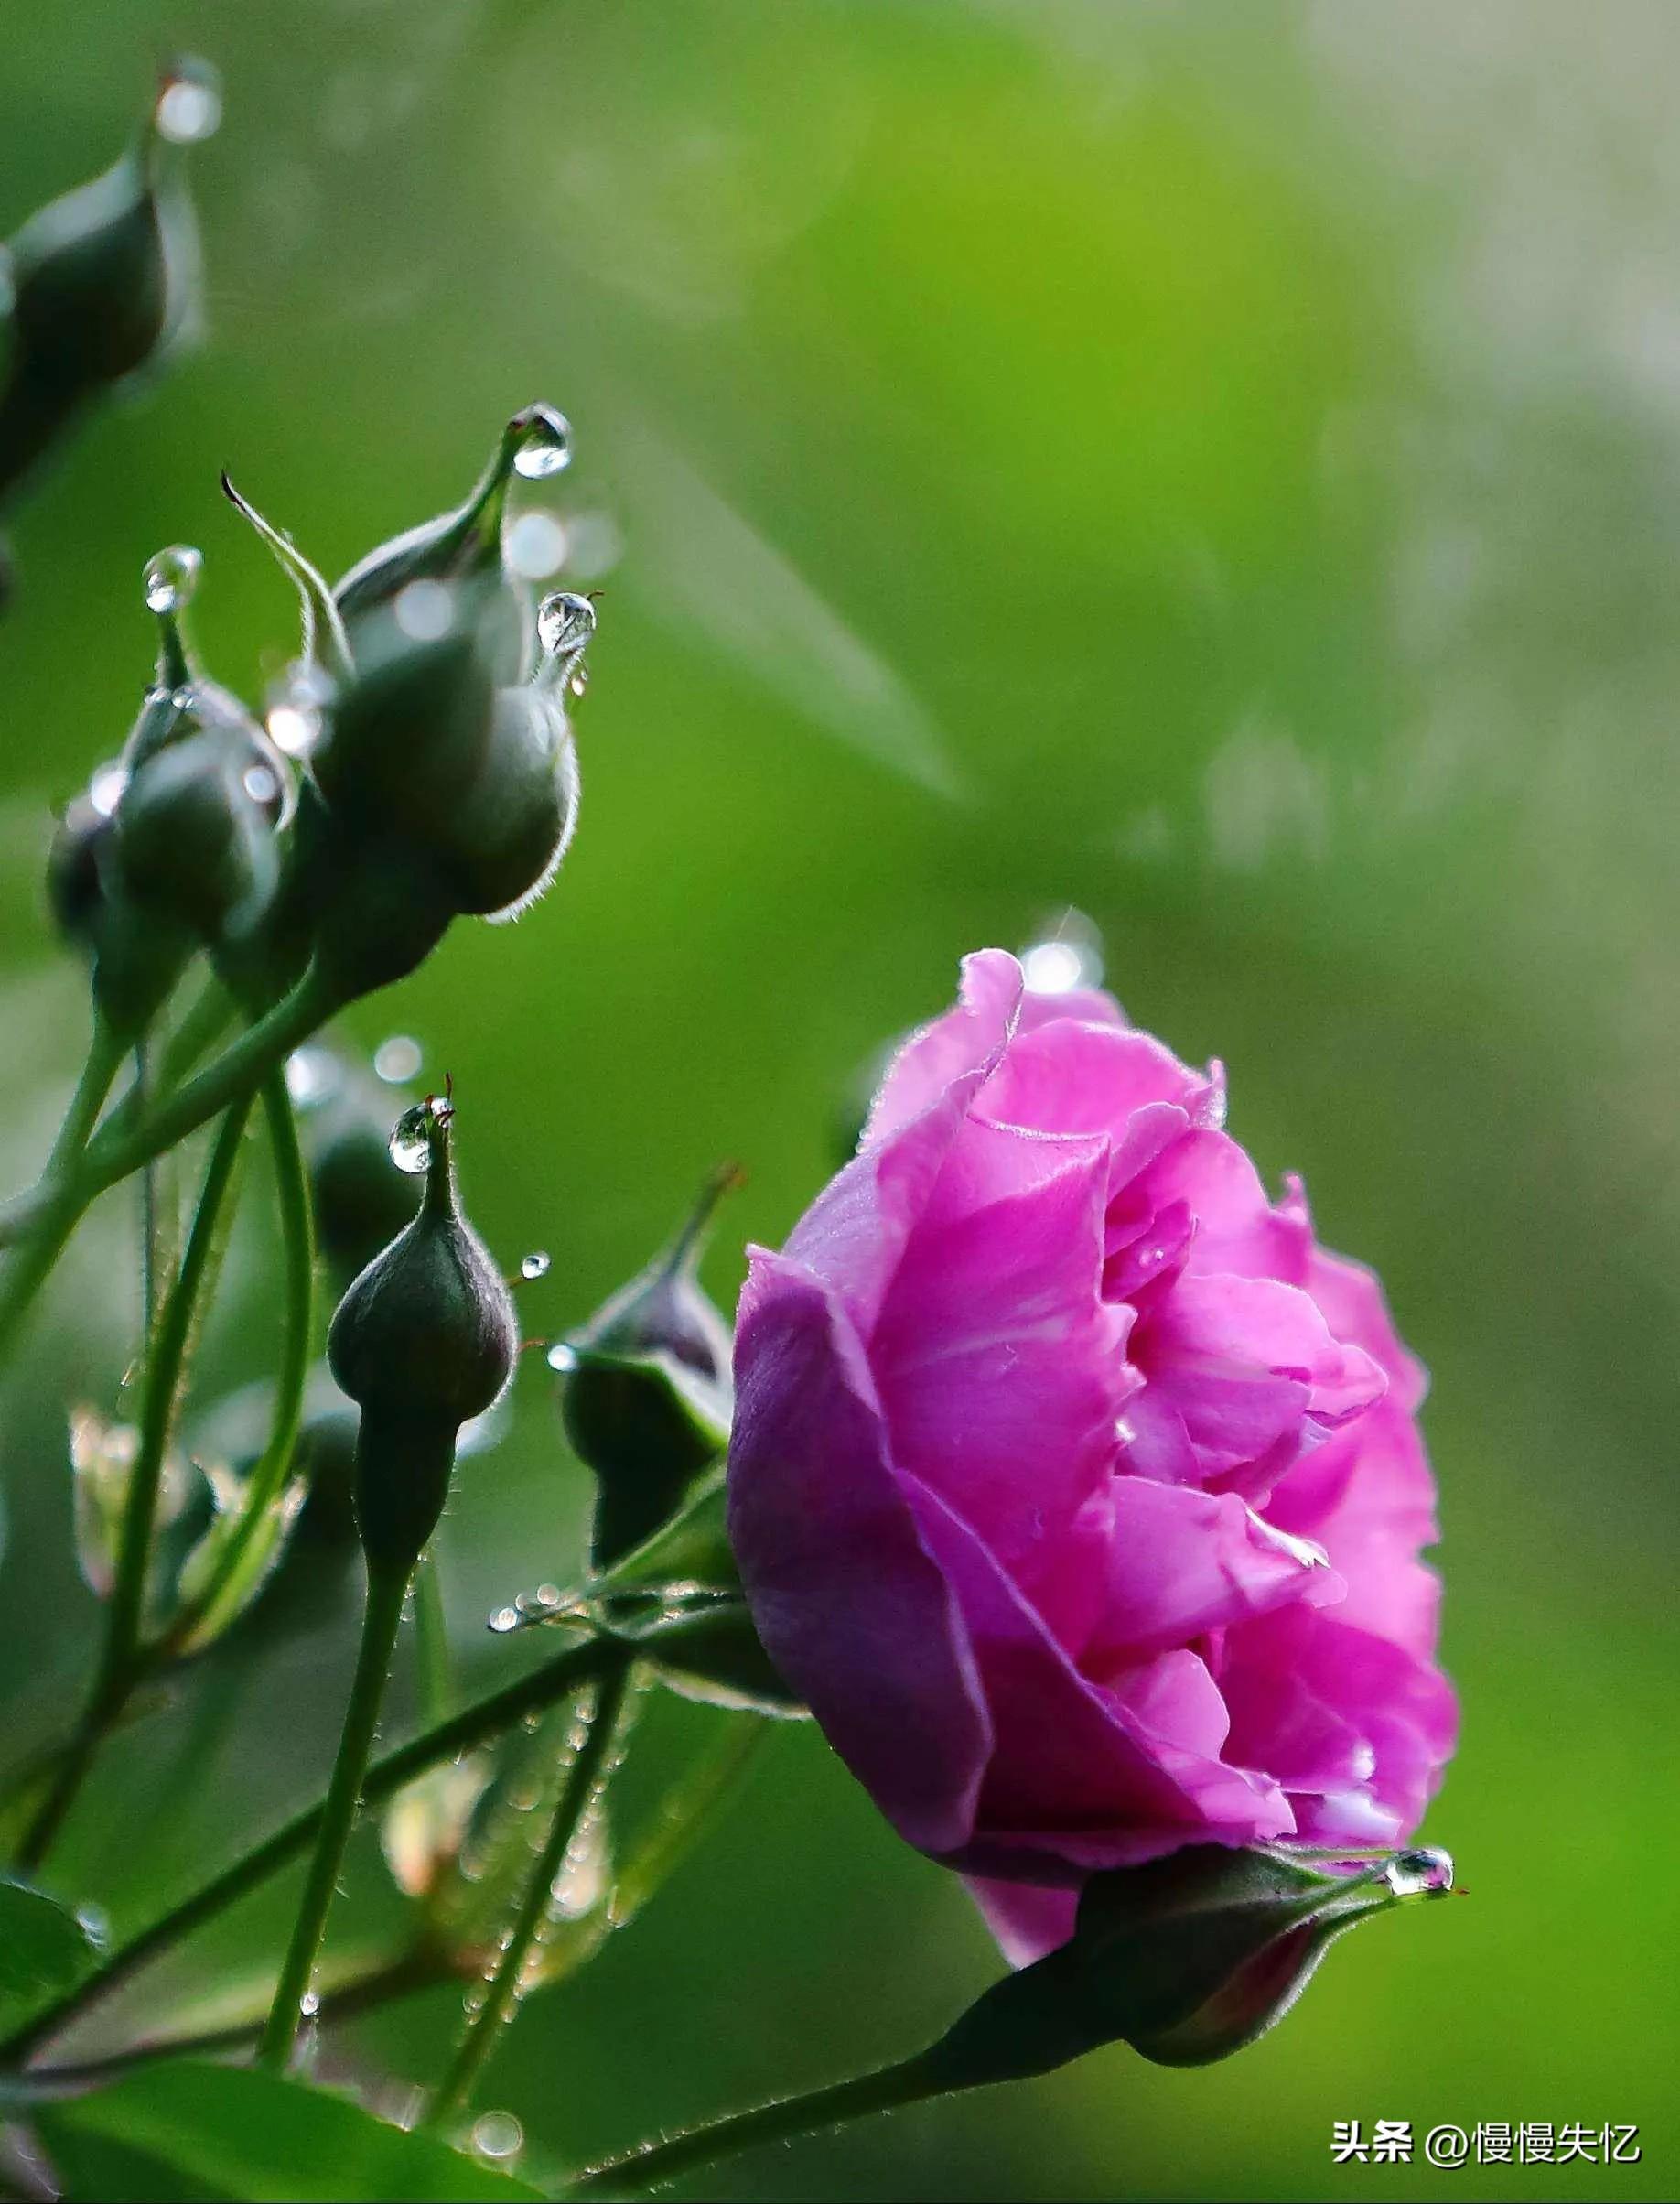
(432,1639)
(885,2091)
(583,1781)
(297,1240)
(487,1717)
(119,1666)
(122,1149)
(415,1970)
(30,1267)
(387,1590)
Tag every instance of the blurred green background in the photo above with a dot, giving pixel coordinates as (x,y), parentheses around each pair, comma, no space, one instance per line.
(1217,466)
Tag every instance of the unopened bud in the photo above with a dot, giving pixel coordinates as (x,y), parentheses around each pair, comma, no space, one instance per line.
(644,1389)
(467,545)
(104,278)
(424,1339)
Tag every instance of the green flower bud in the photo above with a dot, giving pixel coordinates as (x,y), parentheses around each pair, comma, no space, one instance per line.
(424,1339)
(105,278)
(503,842)
(1188,1959)
(468,543)
(644,1389)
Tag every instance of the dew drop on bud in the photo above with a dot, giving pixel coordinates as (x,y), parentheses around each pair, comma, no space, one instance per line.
(1068,955)
(565,622)
(398,1059)
(171,578)
(411,1140)
(261,786)
(188,107)
(498,2135)
(309,2004)
(536,1265)
(545,446)
(562,1357)
(504,1620)
(1427,1868)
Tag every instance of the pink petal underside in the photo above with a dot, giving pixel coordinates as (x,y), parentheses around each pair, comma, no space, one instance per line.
(952,1046)
(1076,1780)
(1028,1918)
(851,1607)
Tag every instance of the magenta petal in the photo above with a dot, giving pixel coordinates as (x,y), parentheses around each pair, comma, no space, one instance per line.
(842,1589)
(1069,1077)
(1084,1006)
(1182,1562)
(1028,1918)
(994,1345)
(1075,1778)
(1355,1310)
(952,1047)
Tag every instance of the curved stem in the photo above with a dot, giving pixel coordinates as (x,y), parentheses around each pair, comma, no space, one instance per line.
(584,1780)
(387,1590)
(122,1149)
(297,1239)
(432,1639)
(30,1267)
(119,1666)
(486,1717)
(885,2091)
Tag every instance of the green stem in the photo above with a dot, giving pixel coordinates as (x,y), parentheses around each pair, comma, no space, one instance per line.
(885,2091)
(119,1666)
(487,1717)
(30,1266)
(387,1590)
(297,1239)
(432,1639)
(122,1149)
(583,1781)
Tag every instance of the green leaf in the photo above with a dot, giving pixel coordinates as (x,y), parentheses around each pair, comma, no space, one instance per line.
(194,2130)
(44,1946)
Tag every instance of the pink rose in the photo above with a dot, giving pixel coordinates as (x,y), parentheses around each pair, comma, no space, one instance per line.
(1076,1488)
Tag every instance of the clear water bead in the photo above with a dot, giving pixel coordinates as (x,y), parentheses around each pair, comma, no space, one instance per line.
(260,784)
(188,107)
(546,448)
(411,1140)
(562,1357)
(1068,955)
(398,1059)
(171,578)
(564,624)
(536,1264)
(504,1620)
(498,2135)
(1426,1868)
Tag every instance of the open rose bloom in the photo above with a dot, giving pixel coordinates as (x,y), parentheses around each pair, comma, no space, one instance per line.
(1073,1484)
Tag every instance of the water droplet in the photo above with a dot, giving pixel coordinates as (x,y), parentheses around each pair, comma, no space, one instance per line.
(498,2135)
(1427,1868)
(294,728)
(398,1059)
(171,578)
(1068,955)
(504,1620)
(188,107)
(261,786)
(182,699)
(546,448)
(562,1357)
(309,2004)
(425,610)
(312,1075)
(536,546)
(105,789)
(411,1140)
(565,622)
(536,1264)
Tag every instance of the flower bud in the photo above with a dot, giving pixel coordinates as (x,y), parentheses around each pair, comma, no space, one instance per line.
(1188,1959)
(424,1339)
(503,842)
(105,278)
(644,1390)
(467,543)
